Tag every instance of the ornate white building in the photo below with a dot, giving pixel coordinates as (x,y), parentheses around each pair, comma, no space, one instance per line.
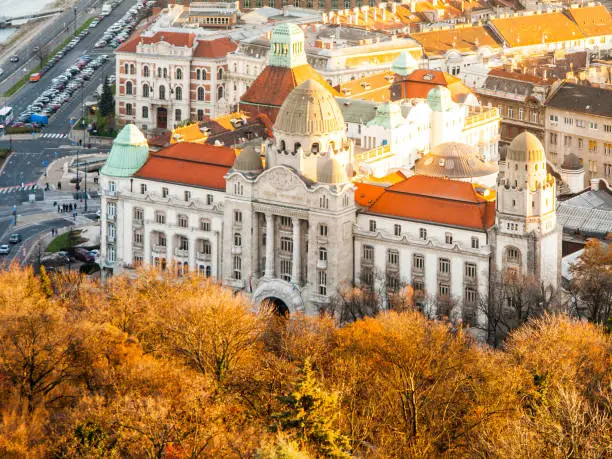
(294,228)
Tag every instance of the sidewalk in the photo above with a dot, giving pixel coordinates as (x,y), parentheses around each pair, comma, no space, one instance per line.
(59,172)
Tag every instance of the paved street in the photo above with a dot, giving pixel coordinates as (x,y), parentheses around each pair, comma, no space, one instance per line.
(57,30)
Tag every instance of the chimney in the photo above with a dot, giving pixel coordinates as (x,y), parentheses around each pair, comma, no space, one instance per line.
(413,6)
(393,7)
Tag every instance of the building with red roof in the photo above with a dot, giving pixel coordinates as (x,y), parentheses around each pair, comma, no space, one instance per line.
(166,77)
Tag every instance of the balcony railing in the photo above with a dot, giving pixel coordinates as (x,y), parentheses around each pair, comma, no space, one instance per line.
(236,250)
(374,154)
(159,248)
(203,256)
(110,193)
(321,264)
(137,223)
(181,253)
(480,117)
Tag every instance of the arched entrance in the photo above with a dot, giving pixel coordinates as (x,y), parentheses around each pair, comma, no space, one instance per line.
(162,117)
(280,293)
(278,305)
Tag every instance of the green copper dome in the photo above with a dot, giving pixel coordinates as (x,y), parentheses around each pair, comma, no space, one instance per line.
(388,115)
(129,153)
(439,99)
(405,64)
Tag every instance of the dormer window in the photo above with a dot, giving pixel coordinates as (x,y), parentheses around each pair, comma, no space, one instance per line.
(315,148)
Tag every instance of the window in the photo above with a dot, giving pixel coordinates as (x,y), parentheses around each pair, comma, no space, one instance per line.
(205,247)
(200,93)
(567,141)
(209,199)
(204,224)
(220,93)
(393,257)
(323,202)
(592,125)
(145,71)
(475,242)
(372,225)
(607,149)
(187,195)
(161,239)
(593,146)
(126,68)
(322,254)
(162,92)
(553,138)
(418,286)
(145,112)
(285,269)
(177,115)
(569,121)
(322,277)
(183,243)
(200,115)
(132,69)
(138,214)
(285,222)
(608,128)
(535,117)
(179,74)
(159,72)
(143,188)
(580,143)
(521,114)
(237,264)
(470,271)
(368,252)
(443,290)
(323,230)
(164,192)
(286,244)
(198,74)
(418,262)
(237,240)
(513,255)
(397,230)
(470,295)
(580,123)
(553,118)
(160,217)
(128,88)
(423,234)
(111,209)
(393,281)
(237,216)
(145,90)
(367,276)
(592,165)
(448,238)
(128,109)
(178,93)
(510,112)
(444,265)
(183,221)
(165,72)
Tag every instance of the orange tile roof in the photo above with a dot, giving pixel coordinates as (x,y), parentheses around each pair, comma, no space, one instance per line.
(593,21)
(435,200)
(273,85)
(464,39)
(213,49)
(421,81)
(189,133)
(174,38)
(502,73)
(366,194)
(532,30)
(374,88)
(194,164)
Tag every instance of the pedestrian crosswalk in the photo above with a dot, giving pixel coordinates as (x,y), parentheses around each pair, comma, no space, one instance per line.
(53,135)
(12,189)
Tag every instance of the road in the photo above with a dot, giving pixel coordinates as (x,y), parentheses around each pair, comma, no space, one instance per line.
(59,123)
(57,30)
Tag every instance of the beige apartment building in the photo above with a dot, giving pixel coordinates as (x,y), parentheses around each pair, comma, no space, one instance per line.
(578,119)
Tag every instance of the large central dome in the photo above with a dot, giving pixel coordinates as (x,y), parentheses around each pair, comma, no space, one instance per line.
(309,109)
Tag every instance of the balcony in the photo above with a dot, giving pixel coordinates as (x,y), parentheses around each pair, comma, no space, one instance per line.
(110,238)
(181,253)
(475,117)
(442,276)
(137,244)
(157,248)
(111,217)
(236,250)
(110,193)
(201,256)
(137,223)
(321,264)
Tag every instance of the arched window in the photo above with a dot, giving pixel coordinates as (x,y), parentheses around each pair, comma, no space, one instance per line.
(220,93)
(132,69)
(128,109)
(178,93)
(179,74)
(204,224)
(200,93)
(126,68)
(204,74)
(198,74)
(282,145)
(145,71)
(220,74)
(315,148)
(297,146)
(128,88)
(145,90)
(159,72)
(165,72)
(322,254)
(513,255)
(237,240)
(162,92)
(145,112)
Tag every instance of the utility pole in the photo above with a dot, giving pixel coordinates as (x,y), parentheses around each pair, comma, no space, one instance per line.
(74,9)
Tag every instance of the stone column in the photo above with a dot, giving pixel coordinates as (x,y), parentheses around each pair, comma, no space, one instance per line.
(269,245)
(254,253)
(295,265)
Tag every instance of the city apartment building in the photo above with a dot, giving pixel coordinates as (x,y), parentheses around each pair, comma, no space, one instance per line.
(578,120)
(164,78)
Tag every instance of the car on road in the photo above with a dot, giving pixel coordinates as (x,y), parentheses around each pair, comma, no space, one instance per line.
(14,58)
(34,77)
(15,238)
(93,24)
(4,249)
(36,49)
(84,255)
(100,44)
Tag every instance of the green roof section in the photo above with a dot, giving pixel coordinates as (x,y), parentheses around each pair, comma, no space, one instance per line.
(129,153)
(405,64)
(287,47)
(440,99)
(388,115)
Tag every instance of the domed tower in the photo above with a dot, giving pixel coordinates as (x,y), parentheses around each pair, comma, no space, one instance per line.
(527,238)
(445,117)
(287,46)
(405,64)
(309,126)
(572,173)
(129,152)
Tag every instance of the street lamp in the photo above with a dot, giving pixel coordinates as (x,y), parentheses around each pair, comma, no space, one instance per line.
(74,9)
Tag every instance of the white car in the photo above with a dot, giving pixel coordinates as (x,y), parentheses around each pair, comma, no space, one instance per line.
(4,249)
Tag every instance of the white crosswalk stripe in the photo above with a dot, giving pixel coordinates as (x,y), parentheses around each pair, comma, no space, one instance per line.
(12,189)
(52,135)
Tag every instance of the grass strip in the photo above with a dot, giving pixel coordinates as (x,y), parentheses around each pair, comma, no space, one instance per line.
(26,78)
(65,241)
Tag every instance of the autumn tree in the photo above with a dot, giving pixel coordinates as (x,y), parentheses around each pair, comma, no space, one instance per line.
(592,282)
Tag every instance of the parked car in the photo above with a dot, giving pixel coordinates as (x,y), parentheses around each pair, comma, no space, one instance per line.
(15,238)
(84,255)
(14,58)
(4,249)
